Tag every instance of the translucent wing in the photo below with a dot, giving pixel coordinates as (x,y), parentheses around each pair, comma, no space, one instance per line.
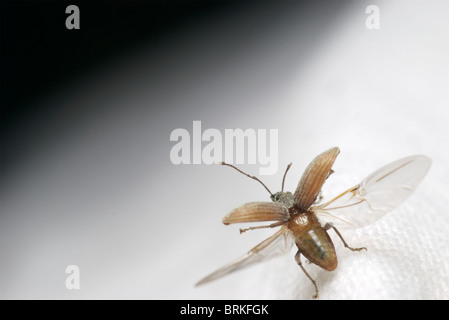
(276,245)
(381,192)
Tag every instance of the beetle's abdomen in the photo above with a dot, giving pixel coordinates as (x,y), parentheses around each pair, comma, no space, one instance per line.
(316,245)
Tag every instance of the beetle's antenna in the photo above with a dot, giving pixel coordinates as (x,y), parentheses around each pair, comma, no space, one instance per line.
(285,174)
(252,177)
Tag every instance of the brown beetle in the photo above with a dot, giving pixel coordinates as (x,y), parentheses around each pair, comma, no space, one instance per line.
(305,223)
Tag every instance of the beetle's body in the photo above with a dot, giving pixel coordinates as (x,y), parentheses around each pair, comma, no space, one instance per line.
(305,223)
(310,237)
(313,241)
(294,212)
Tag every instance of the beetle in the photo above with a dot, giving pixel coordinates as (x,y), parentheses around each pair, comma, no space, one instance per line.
(306,223)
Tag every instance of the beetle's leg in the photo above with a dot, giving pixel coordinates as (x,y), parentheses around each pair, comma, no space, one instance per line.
(273,225)
(298,261)
(344,242)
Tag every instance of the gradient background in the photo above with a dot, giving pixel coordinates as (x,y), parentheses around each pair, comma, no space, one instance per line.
(86,117)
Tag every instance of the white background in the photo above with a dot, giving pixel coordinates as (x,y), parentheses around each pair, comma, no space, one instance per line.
(105,196)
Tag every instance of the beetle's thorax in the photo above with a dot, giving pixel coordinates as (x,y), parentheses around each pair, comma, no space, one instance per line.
(285,198)
(302,221)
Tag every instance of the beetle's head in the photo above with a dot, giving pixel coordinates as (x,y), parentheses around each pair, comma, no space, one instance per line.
(277,196)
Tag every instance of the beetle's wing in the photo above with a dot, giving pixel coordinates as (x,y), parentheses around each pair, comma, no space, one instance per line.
(258,211)
(379,193)
(276,245)
(314,177)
